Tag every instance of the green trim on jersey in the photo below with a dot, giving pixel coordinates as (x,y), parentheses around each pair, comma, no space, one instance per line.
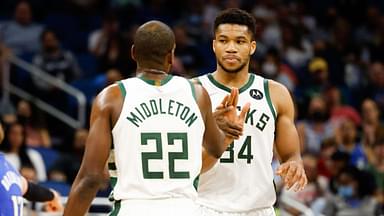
(113,181)
(112,166)
(225,88)
(196,80)
(122,89)
(156,83)
(268,97)
(193,90)
(196,182)
(116,208)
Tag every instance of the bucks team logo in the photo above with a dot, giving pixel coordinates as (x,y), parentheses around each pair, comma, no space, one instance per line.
(256,94)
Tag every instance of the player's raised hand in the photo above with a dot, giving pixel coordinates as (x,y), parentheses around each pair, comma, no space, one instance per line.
(226,115)
(293,173)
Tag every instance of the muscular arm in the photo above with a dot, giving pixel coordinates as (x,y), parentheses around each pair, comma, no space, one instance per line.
(213,137)
(287,139)
(91,174)
(215,142)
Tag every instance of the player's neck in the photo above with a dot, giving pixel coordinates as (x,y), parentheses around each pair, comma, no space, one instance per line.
(151,73)
(237,79)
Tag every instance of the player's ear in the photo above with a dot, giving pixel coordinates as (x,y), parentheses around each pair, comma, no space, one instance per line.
(133,52)
(253,47)
(171,55)
(213,45)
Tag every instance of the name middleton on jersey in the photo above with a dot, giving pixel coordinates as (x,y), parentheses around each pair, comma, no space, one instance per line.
(161,107)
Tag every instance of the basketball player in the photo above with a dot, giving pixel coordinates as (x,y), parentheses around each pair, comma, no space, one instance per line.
(13,187)
(241,183)
(150,129)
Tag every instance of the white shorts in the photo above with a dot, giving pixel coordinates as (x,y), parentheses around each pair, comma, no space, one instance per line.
(158,207)
(256,212)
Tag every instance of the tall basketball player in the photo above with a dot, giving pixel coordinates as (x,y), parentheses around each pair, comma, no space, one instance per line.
(241,183)
(151,129)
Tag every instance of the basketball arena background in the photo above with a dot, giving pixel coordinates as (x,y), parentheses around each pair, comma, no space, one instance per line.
(57,55)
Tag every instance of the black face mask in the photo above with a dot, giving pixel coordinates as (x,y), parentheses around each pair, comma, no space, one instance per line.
(318,116)
(50,49)
(22,119)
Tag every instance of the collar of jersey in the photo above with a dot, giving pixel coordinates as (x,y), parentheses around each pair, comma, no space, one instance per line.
(225,88)
(156,82)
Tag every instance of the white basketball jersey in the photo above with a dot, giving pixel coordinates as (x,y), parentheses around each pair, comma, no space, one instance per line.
(157,140)
(243,179)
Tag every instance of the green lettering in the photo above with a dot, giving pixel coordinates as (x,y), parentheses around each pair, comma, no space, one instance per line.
(170,106)
(155,111)
(142,116)
(250,116)
(161,107)
(184,113)
(262,121)
(145,109)
(191,119)
(178,107)
(134,119)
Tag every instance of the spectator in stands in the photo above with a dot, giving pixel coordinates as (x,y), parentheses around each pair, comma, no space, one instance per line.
(22,158)
(37,134)
(313,195)
(110,47)
(324,163)
(346,137)
(67,166)
(377,45)
(58,63)
(354,194)
(187,51)
(317,79)
(273,68)
(296,50)
(373,129)
(55,61)
(338,110)
(376,165)
(376,87)
(21,35)
(317,127)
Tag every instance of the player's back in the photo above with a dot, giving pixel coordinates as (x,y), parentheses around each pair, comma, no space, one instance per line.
(157,142)
(11,200)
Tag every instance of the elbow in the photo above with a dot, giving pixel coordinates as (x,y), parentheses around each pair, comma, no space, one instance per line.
(93,181)
(218,150)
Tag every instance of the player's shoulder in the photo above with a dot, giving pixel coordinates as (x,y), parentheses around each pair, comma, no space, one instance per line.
(276,87)
(110,95)
(280,95)
(200,79)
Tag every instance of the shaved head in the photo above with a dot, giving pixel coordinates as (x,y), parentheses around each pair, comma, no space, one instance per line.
(153,41)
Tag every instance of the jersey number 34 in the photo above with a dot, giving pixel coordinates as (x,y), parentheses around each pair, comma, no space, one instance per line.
(244,153)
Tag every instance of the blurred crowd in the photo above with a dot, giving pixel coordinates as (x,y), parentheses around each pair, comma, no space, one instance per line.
(329,54)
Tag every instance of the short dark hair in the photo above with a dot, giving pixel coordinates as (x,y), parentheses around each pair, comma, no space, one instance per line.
(236,16)
(153,41)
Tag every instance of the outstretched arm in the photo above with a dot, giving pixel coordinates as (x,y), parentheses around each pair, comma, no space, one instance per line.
(287,139)
(91,174)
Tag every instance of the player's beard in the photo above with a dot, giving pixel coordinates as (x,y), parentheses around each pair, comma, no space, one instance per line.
(235,70)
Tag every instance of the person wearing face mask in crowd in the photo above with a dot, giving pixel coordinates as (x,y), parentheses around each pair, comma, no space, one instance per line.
(354,194)
(273,68)
(317,127)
